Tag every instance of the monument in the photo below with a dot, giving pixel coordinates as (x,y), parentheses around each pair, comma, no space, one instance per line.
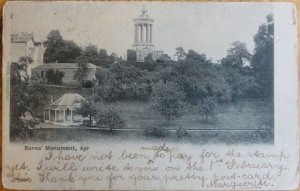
(143,38)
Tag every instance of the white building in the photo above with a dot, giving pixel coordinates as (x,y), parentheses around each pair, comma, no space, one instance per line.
(24,45)
(62,111)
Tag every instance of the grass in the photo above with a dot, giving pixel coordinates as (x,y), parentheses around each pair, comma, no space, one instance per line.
(243,114)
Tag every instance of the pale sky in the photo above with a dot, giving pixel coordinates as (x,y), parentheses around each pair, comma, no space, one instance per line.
(207,28)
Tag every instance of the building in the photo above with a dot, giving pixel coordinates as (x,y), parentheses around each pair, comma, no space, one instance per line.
(24,45)
(62,111)
(69,70)
(143,38)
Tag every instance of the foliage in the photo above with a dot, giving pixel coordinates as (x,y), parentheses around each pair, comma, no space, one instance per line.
(27,98)
(207,108)
(237,55)
(180,53)
(164,58)
(54,76)
(263,58)
(242,84)
(102,53)
(60,50)
(109,118)
(87,109)
(158,132)
(123,81)
(181,133)
(167,99)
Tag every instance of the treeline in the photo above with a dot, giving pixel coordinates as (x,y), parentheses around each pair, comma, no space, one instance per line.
(59,50)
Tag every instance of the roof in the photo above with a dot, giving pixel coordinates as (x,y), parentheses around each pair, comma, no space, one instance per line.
(63,66)
(23,37)
(67,100)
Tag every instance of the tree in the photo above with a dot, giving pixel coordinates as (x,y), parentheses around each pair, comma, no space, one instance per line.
(167,99)
(207,108)
(237,55)
(111,119)
(180,53)
(60,50)
(196,56)
(90,51)
(87,109)
(103,54)
(27,97)
(263,58)
(54,76)
(164,58)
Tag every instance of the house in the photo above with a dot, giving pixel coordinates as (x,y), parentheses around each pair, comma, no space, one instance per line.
(68,69)
(23,45)
(62,111)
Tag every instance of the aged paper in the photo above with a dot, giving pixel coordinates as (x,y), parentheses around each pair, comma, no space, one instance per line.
(149,96)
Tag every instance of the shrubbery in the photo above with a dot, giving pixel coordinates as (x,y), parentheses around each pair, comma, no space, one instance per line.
(158,132)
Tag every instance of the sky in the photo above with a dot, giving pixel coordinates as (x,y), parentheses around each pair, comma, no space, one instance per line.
(208,28)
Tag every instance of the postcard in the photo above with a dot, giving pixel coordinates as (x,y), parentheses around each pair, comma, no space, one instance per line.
(101,95)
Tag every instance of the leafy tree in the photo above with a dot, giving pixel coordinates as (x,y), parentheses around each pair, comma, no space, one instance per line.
(164,58)
(237,55)
(180,53)
(87,109)
(103,54)
(207,108)
(27,98)
(167,99)
(196,56)
(60,50)
(263,58)
(90,51)
(122,81)
(54,76)
(109,118)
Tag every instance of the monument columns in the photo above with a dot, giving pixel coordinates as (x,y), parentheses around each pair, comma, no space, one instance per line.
(136,34)
(142,33)
(150,33)
(147,33)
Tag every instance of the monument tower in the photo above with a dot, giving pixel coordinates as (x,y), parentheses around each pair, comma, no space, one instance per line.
(143,36)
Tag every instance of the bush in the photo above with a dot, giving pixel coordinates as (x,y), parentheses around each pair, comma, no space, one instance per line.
(110,119)
(181,133)
(158,132)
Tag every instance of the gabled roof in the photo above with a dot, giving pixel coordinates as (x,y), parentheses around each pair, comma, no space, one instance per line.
(67,100)
(63,66)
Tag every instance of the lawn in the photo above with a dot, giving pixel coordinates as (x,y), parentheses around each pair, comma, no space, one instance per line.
(233,120)
(243,114)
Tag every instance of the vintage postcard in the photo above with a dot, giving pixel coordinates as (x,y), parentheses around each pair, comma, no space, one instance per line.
(149,96)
